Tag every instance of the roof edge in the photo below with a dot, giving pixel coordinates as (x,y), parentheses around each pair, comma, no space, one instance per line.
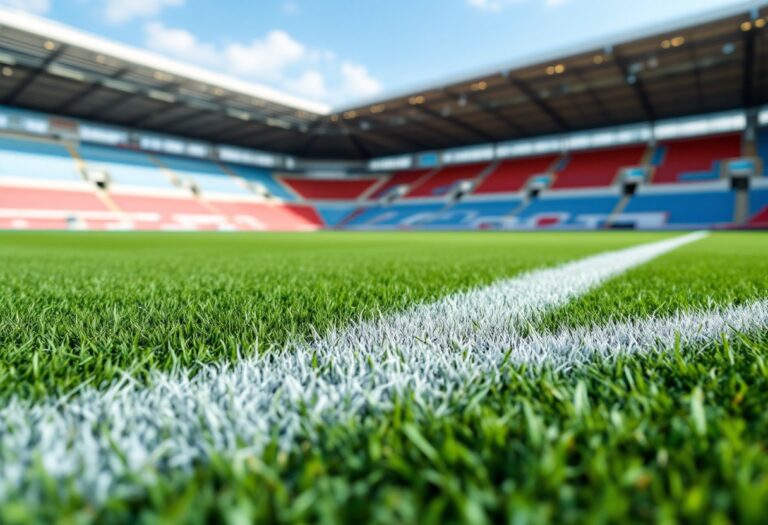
(57,31)
(554,54)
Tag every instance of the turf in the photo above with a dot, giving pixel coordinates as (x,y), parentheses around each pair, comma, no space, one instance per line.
(88,307)
(676,437)
(726,269)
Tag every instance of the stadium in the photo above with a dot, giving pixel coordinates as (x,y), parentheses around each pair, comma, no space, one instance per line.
(533,293)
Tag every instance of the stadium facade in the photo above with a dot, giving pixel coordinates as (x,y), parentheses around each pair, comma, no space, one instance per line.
(666,128)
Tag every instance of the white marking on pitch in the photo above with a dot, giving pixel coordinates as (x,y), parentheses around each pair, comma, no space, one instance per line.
(110,441)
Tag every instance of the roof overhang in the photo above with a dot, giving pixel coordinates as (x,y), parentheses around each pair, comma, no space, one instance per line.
(707,63)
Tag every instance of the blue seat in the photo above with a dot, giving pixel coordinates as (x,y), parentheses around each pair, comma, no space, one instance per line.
(333,215)
(687,209)
(36,160)
(762,148)
(208,176)
(758,199)
(126,167)
(469,214)
(263,177)
(571,210)
(398,215)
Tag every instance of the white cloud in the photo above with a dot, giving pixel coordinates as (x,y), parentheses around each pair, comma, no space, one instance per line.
(310,83)
(120,11)
(179,43)
(264,58)
(357,82)
(277,59)
(38,7)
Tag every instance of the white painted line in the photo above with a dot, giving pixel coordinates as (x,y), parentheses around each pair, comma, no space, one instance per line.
(440,352)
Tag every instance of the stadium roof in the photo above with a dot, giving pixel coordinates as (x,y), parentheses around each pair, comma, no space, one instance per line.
(704,64)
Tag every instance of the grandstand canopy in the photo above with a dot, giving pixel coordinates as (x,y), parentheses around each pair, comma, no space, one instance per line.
(700,65)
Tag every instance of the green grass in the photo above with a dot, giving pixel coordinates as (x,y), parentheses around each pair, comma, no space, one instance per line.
(85,307)
(678,437)
(723,269)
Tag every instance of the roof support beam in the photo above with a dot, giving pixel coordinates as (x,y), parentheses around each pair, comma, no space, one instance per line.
(606,114)
(22,86)
(637,86)
(149,116)
(359,146)
(124,100)
(394,141)
(67,105)
(748,70)
(251,133)
(457,123)
(492,111)
(537,101)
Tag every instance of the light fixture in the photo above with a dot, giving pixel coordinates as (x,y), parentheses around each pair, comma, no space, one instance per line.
(479,86)
(7,71)
(378,108)
(50,46)
(350,114)
(677,41)
(745,26)
(666,44)
(760,23)
(598,59)
(416,100)
(557,69)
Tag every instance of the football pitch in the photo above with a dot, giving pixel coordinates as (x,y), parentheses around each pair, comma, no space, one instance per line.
(384,378)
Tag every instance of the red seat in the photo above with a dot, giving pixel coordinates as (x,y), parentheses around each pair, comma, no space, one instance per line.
(441,181)
(400,178)
(261,216)
(512,175)
(327,189)
(760,219)
(596,168)
(695,156)
(16,198)
(166,207)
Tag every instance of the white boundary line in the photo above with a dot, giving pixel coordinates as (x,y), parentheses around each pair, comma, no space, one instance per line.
(109,441)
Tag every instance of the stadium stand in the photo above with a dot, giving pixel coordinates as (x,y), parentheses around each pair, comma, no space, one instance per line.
(36,159)
(124,167)
(262,177)
(400,179)
(329,189)
(442,181)
(172,210)
(395,216)
(475,214)
(251,215)
(512,175)
(596,168)
(335,215)
(47,184)
(696,159)
(208,176)
(568,210)
(758,205)
(762,148)
(701,207)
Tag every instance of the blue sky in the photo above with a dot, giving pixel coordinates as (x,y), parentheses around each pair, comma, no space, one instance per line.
(343,51)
